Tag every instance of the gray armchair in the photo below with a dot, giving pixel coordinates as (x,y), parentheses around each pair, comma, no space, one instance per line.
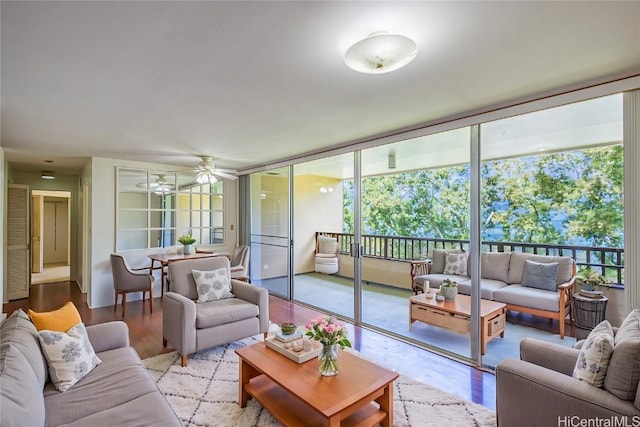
(190,326)
(538,390)
(126,280)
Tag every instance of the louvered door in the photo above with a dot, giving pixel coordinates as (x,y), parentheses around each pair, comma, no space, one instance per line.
(18,271)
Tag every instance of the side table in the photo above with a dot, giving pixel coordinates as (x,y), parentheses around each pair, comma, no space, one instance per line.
(587,313)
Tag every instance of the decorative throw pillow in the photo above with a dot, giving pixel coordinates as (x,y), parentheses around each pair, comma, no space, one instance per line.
(540,275)
(70,355)
(438,259)
(60,320)
(456,264)
(212,285)
(595,354)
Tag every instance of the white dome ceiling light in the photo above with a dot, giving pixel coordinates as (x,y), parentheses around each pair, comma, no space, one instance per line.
(380,53)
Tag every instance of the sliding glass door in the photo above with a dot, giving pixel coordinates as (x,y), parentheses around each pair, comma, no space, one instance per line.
(270,230)
(415,200)
(323,233)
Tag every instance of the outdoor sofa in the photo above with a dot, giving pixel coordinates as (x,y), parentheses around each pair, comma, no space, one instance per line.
(117,392)
(502,275)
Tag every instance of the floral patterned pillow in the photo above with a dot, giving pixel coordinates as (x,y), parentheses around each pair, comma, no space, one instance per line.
(595,354)
(212,285)
(455,264)
(69,354)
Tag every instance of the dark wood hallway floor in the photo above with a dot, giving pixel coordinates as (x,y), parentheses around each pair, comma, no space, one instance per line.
(145,331)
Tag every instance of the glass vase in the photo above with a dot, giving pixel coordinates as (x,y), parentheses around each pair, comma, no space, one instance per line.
(328,358)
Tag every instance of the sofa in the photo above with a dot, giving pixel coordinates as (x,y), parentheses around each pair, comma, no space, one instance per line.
(542,388)
(190,326)
(502,275)
(117,392)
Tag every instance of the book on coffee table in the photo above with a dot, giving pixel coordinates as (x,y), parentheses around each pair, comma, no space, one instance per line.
(288,338)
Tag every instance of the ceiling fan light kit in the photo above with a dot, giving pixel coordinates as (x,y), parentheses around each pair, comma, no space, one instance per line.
(205,177)
(380,53)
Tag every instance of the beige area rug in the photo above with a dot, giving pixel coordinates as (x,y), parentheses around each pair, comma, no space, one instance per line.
(205,393)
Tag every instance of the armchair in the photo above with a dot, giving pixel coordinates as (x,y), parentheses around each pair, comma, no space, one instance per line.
(191,326)
(538,390)
(326,256)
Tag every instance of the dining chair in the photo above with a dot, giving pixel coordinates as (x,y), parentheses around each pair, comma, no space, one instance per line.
(126,280)
(240,263)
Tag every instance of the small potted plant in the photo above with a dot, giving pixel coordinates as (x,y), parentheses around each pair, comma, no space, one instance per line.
(449,289)
(187,240)
(590,282)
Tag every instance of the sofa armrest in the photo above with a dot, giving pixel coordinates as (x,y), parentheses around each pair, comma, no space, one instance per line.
(542,397)
(555,357)
(179,322)
(108,336)
(255,295)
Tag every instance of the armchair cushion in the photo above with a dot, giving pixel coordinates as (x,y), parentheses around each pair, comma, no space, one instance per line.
(327,245)
(595,354)
(212,285)
(221,312)
(623,374)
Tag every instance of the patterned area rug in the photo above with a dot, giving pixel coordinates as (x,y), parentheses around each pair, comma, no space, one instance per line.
(205,393)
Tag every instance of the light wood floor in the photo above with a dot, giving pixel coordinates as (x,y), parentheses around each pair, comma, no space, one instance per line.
(145,332)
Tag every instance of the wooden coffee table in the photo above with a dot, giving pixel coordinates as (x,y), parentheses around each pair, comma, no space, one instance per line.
(297,395)
(456,315)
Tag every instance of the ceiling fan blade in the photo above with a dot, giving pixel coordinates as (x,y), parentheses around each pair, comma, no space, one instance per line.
(224,175)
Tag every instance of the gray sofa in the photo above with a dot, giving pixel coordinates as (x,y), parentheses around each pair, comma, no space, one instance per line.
(539,389)
(118,392)
(501,280)
(191,326)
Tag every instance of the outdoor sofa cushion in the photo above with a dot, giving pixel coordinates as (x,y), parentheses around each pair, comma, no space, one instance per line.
(540,275)
(517,262)
(495,265)
(438,259)
(528,297)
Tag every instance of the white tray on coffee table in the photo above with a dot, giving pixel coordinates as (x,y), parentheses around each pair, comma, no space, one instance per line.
(297,356)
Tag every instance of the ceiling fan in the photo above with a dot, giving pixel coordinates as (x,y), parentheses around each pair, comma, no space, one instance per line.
(160,186)
(207,173)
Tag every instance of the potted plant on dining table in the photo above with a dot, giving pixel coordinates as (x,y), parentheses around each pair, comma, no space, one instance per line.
(187,240)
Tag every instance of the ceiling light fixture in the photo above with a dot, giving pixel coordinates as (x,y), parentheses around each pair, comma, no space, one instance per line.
(206,177)
(48,175)
(380,53)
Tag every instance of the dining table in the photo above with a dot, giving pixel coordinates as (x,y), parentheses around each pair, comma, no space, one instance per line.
(164,259)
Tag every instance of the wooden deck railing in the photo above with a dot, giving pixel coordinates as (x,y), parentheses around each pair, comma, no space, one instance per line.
(606,261)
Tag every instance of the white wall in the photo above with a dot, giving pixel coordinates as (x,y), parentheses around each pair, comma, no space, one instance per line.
(102,178)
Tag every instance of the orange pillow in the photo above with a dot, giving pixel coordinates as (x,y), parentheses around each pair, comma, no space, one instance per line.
(60,320)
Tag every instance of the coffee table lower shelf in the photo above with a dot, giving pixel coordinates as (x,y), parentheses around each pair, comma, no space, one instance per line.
(291,411)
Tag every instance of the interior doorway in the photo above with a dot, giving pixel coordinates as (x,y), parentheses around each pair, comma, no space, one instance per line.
(50,236)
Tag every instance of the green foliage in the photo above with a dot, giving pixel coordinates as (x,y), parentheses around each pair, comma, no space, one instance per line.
(187,239)
(572,197)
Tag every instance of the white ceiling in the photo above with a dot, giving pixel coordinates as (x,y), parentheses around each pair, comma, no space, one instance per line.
(253,82)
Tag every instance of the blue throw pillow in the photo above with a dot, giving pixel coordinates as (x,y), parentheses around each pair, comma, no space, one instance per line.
(540,275)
